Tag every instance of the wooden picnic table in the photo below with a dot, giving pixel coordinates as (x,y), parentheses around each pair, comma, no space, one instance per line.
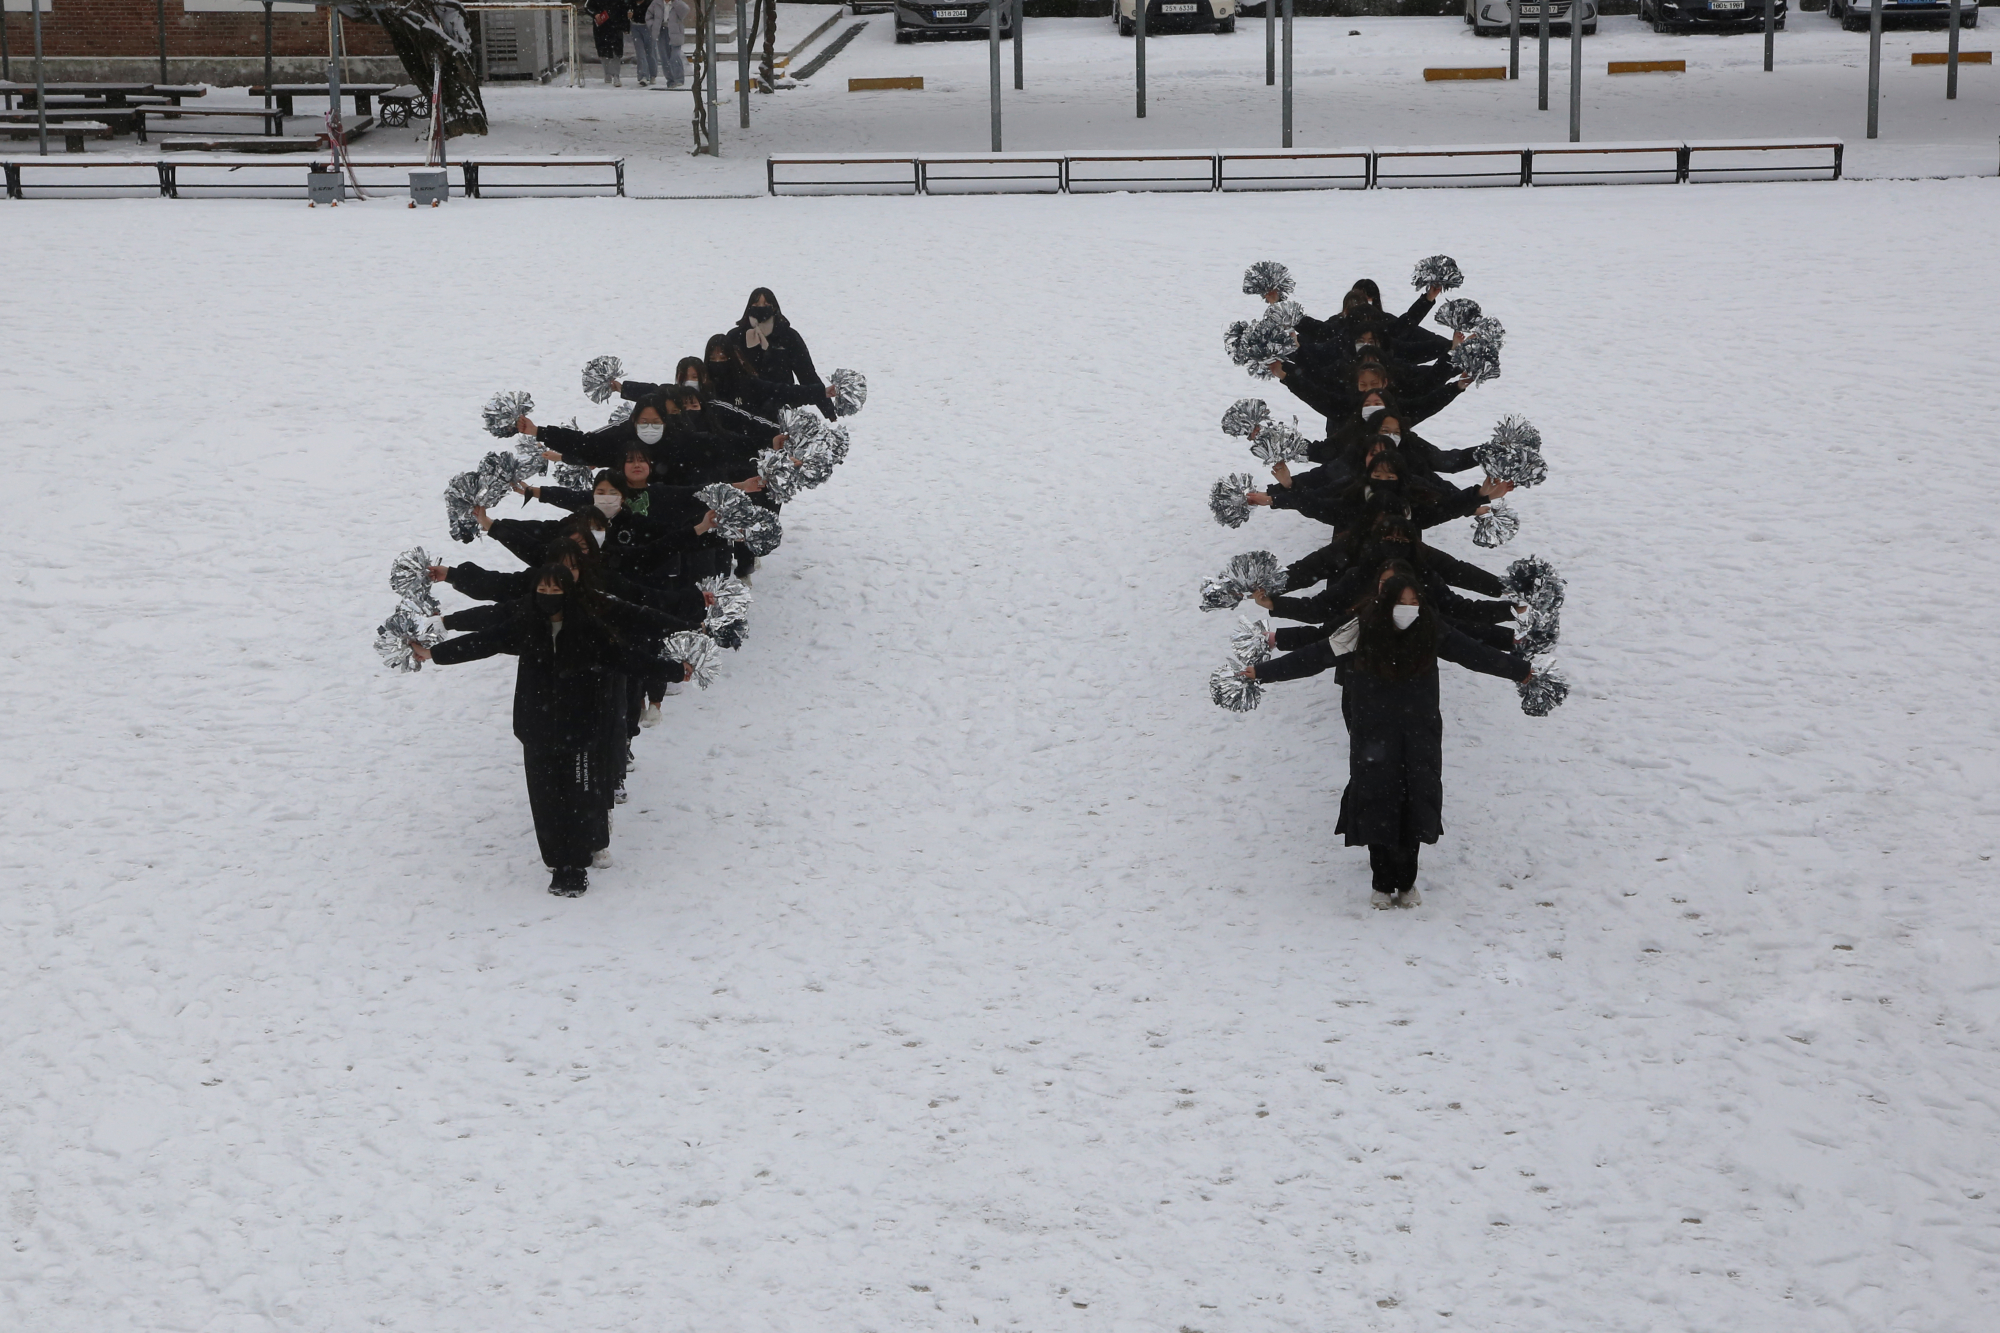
(362,93)
(109,94)
(272,118)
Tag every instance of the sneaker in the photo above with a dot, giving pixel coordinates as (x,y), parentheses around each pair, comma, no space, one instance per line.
(1381,900)
(649,716)
(673,687)
(618,797)
(1410,897)
(569,882)
(600,859)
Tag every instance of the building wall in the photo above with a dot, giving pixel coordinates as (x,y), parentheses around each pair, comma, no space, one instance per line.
(208,41)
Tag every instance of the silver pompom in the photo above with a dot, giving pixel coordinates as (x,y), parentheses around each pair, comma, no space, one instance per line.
(528,452)
(1488,330)
(1228,688)
(697,651)
(1250,641)
(392,639)
(497,474)
(503,409)
(1286,313)
(1245,574)
(1456,314)
(782,478)
(1269,339)
(1496,527)
(1533,581)
(1279,442)
(1536,632)
(816,464)
(1232,339)
(1543,692)
(834,439)
(410,579)
(1244,416)
(740,520)
(573,477)
(732,599)
(621,412)
(1268,275)
(1437,271)
(461,493)
(1477,358)
(1220,593)
(728,634)
(764,533)
(850,391)
(1514,453)
(598,372)
(1226,499)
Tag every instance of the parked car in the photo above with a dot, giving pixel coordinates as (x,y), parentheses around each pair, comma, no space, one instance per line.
(1489,18)
(1176,16)
(1854,14)
(1707,15)
(917,20)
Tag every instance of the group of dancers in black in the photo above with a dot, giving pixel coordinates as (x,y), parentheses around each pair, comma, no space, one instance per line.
(1391,605)
(629,595)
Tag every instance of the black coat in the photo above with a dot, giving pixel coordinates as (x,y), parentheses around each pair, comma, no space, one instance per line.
(684,606)
(1395,745)
(786,362)
(569,688)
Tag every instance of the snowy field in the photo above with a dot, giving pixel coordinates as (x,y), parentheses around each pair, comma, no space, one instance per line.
(1359,82)
(963,966)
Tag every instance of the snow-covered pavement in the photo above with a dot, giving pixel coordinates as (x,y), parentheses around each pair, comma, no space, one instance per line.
(1359,82)
(961,961)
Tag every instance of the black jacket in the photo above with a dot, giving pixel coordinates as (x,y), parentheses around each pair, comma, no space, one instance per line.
(785,363)
(684,606)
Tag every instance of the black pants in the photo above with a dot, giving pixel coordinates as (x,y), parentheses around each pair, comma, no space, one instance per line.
(568,810)
(1393,865)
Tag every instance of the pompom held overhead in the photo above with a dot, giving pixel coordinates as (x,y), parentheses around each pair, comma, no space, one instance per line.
(598,373)
(1268,275)
(502,410)
(1437,271)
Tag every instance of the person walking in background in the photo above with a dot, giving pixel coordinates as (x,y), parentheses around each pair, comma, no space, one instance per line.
(673,32)
(611,21)
(646,17)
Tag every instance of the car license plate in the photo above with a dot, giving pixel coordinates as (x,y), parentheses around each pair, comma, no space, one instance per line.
(947,13)
(1177,9)
(1725,4)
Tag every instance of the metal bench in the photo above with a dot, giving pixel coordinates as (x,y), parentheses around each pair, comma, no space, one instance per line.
(1471,164)
(1106,172)
(106,174)
(1604,164)
(994,174)
(1348,169)
(842,175)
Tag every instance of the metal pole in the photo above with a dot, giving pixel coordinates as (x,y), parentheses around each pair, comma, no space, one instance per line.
(1575,70)
(1020,17)
(1951,58)
(1270,43)
(161,10)
(1770,33)
(333,79)
(575,72)
(714,106)
(1139,54)
(1288,73)
(993,63)
(742,66)
(6,60)
(1543,6)
(41,91)
(1874,64)
(1513,39)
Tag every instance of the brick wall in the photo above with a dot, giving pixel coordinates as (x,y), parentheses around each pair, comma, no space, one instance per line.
(101,28)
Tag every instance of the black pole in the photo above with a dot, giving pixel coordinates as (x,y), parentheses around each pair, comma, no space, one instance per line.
(1513,39)
(1951,59)
(993,62)
(161,9)
(1270,43)
(1020,17)
(41,90)
(1288,73)
(1544,7)
(1770,33)
(1575,70)
(6,59)
(1874,64)
(268,99)
(1139,54)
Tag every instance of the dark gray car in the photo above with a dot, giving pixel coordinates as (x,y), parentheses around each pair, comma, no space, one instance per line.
(916,20)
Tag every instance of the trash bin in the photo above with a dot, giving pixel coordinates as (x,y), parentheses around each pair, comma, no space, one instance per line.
(324,187)
(431,187)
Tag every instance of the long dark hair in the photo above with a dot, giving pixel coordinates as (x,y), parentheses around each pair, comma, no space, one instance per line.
(1382,650)
(700,368)
(777,311)
(1367,287)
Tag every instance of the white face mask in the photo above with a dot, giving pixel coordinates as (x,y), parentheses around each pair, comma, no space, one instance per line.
(598,535)
(1368,413)
(650,432)
(1404,616)
(608,505)
(1393,437)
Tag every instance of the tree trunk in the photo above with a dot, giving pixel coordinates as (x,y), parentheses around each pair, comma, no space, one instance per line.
(427,34)
(770,70)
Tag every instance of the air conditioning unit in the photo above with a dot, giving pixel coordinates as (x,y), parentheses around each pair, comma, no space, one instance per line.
(522,43)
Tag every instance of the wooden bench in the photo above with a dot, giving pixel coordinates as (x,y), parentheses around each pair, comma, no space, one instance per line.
(1453,75)
(110,94)
(479,179)
(117,120)
(362,93)
(1944,57)
(273,120)
(71,132)
(250,143)
(147,173)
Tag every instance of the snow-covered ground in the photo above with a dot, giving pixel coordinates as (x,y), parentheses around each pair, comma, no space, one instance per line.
(962,962)
(1359,82)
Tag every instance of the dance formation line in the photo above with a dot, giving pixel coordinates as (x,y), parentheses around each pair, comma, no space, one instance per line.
(633,593)
(1388,613)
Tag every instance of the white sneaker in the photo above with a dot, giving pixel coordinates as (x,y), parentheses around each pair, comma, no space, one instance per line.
(1382,899)
(649,716)
(673,687)
(1410,897)
(600,858)
(619,798)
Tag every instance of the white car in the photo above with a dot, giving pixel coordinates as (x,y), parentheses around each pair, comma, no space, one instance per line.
(1489,17)
(1177,15)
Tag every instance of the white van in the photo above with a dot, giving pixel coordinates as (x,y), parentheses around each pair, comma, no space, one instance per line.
(1176,16)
